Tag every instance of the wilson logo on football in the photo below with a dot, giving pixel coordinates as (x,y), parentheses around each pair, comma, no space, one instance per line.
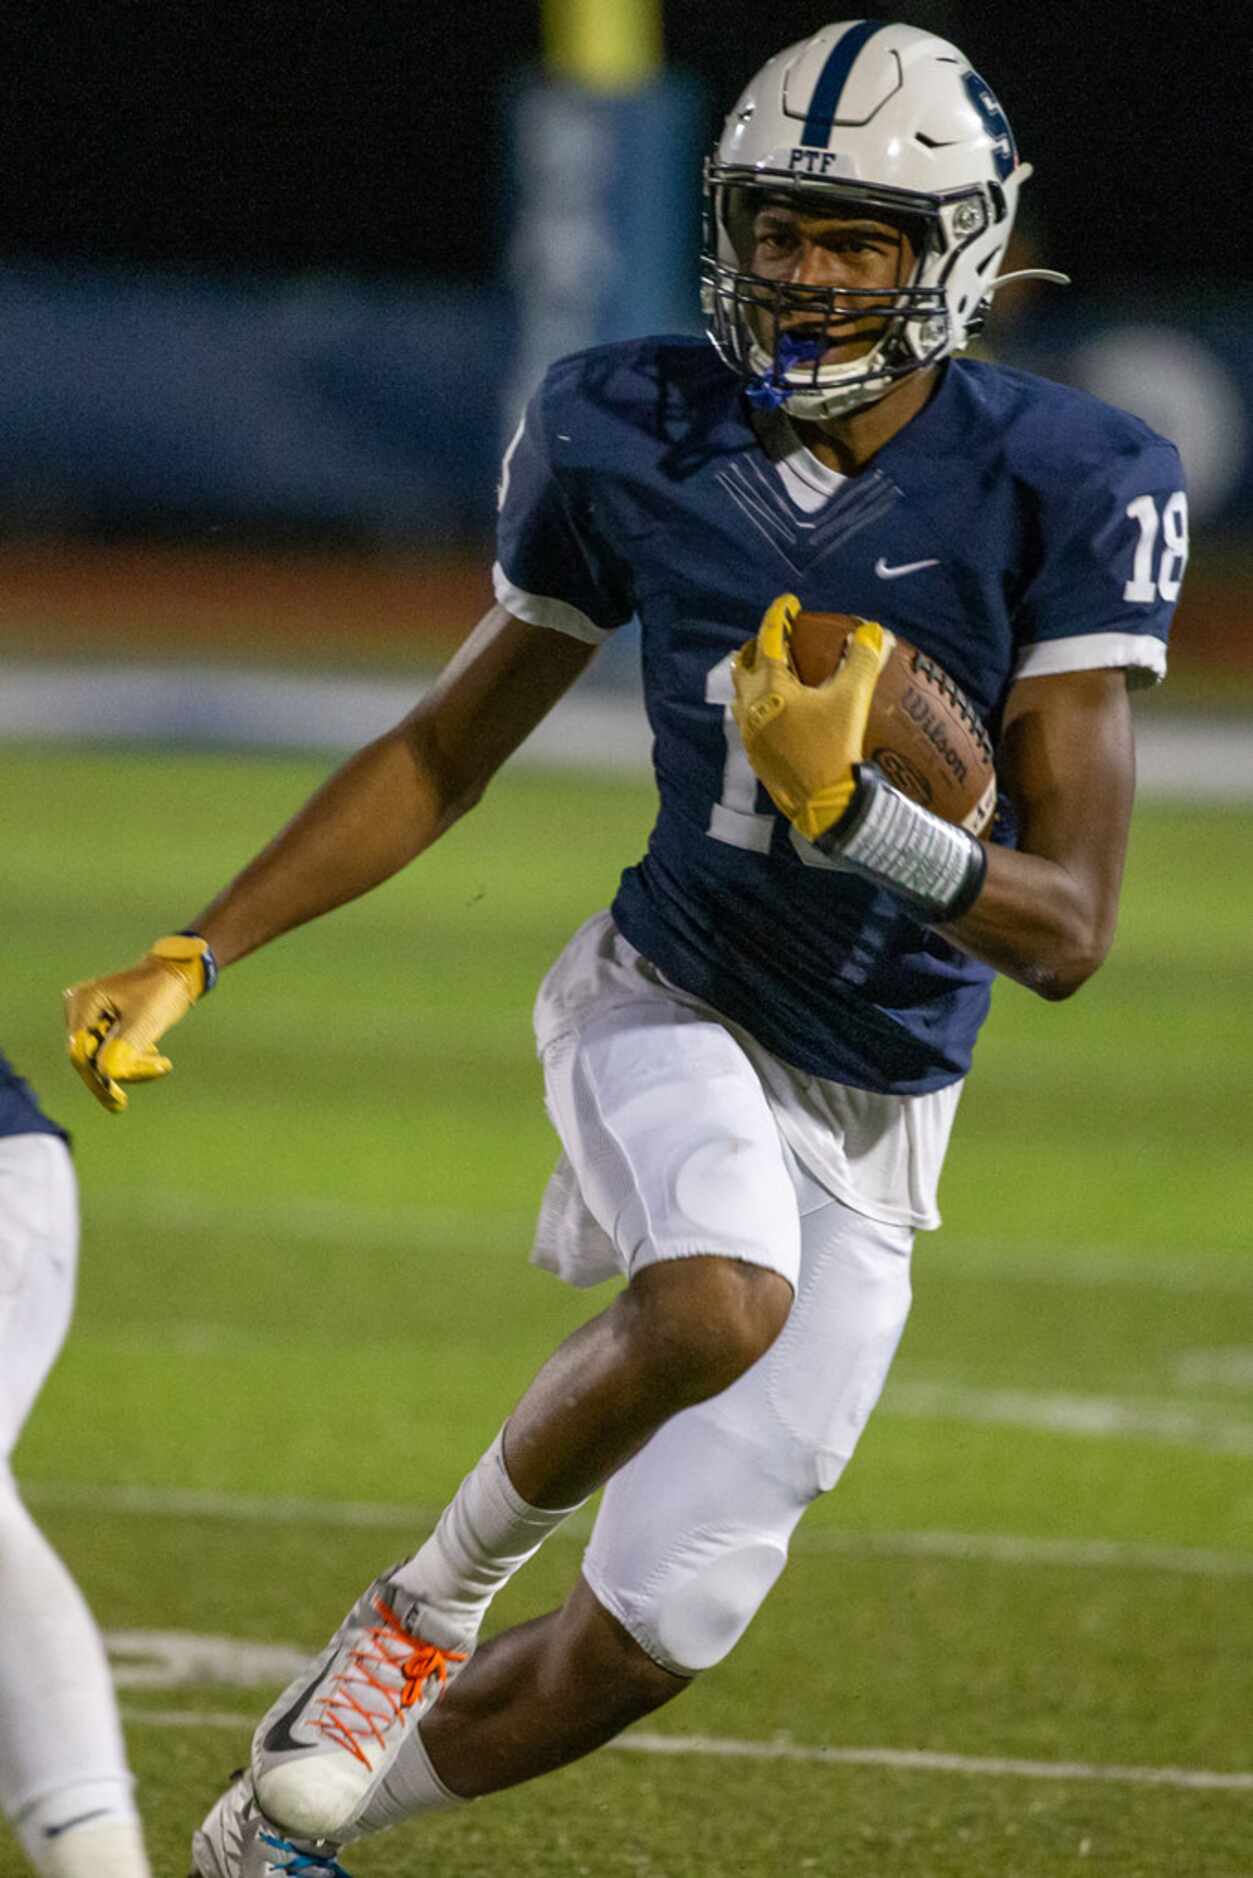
(931,724)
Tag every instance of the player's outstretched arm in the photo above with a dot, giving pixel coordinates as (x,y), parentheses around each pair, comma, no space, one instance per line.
(1047,911)
(371,818)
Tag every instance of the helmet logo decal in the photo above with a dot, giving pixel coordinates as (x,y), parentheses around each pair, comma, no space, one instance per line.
(811,162)
(995,123)
(832,79)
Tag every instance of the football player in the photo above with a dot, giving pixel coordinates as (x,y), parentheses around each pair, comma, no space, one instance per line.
(64,1783)
(754,1057)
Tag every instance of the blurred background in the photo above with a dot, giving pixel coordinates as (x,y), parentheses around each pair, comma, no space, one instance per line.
(275,278)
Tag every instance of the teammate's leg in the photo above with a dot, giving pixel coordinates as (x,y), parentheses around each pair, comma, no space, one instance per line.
(64,1781)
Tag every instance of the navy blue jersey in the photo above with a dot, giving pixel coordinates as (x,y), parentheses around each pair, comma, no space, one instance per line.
(1012,528)
(20,1113)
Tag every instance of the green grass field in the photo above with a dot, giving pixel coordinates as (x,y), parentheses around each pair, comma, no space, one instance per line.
(305,1307)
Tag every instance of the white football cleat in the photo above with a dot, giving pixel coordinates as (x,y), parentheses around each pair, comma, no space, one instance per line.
(324,1752)
(238,1841)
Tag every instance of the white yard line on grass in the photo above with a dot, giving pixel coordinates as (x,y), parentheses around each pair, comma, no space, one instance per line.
(922,1399)
(922,1760)
(1068,1414)
(179,1660)
(247,1509)
(1229,1367)
(1011,1549)
(183,1659)
(377,1516)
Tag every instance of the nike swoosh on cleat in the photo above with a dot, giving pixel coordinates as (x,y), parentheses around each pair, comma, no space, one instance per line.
(885,572)
(279,1738)
(79,1819)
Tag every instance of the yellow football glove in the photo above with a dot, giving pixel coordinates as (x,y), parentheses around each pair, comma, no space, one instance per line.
(114,1023)
(803,740)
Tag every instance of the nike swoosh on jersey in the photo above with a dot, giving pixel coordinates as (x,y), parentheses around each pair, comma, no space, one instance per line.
(279,1738)
(79,1819)
(885,572)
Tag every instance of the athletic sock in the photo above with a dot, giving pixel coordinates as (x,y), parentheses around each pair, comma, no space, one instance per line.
(484,1534)
(61,1749)
(108,1848)
(410,1787)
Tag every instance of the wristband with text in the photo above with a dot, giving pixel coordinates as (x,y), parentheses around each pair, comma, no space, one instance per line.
(937,868)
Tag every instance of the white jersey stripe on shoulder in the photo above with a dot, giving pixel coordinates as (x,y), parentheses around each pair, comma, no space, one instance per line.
(539,610)
(502,486)
(1090,652)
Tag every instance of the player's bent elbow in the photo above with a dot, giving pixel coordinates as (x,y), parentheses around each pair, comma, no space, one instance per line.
(1052,985)
(461,802)
(1068,970)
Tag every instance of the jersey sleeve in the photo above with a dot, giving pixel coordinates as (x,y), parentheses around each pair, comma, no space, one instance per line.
(1112,570)
(553,567)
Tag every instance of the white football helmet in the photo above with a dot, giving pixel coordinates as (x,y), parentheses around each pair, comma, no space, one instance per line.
(872,118)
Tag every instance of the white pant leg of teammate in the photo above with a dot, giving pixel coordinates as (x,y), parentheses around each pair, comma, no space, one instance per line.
(64,1781)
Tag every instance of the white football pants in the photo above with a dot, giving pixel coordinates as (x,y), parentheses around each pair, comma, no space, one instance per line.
(675,1146)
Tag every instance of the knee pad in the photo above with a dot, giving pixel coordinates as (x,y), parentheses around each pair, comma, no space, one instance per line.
(688,1605)
(690,1537)
(693,1532)
(700,1616)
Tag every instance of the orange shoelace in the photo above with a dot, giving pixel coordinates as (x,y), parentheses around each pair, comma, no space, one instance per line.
(395,1650)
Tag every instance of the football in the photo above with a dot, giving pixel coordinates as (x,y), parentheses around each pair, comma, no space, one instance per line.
(923,732)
